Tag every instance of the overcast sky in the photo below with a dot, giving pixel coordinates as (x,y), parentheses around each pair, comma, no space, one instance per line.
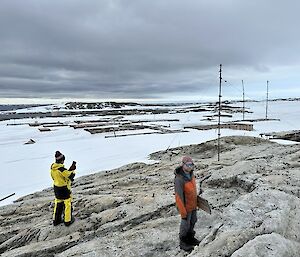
(148,49)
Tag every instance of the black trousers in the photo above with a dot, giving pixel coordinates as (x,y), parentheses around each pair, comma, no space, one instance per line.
(187,225)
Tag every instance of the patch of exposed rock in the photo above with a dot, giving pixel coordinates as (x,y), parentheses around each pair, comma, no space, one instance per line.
(254,193)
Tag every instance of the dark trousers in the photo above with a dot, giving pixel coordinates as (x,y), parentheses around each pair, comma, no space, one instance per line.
(187,225)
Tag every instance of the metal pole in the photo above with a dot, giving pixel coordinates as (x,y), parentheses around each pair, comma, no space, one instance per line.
(267,99)
(7,197)
(219,116)
(243,100)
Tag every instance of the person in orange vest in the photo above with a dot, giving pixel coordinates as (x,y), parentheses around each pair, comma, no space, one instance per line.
(186,202)
(62,180)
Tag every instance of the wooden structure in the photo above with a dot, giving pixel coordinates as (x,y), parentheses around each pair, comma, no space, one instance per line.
(235,126)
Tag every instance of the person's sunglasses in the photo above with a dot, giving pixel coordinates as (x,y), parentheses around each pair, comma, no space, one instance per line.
(189,164)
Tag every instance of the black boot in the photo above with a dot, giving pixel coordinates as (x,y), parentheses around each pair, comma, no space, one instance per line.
(192,240)
(57,222)
(184,245)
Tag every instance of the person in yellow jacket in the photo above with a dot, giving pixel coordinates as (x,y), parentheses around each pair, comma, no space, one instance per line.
(62,180)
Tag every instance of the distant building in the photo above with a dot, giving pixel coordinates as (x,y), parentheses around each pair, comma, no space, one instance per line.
(55,111)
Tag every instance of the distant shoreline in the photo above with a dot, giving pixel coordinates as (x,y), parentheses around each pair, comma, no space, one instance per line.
(34,102)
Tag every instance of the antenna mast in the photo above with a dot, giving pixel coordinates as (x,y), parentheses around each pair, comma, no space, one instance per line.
(267,99)
(243,100)
(219,116)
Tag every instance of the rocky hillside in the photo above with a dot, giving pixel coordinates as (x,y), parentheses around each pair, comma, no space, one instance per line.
(254,193)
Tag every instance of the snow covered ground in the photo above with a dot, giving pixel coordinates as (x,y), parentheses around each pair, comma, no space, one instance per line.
(25,168)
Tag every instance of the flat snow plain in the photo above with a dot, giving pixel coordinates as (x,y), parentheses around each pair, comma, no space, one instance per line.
(25,168)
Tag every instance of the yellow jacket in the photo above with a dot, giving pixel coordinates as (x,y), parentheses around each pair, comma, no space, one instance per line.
(62,179)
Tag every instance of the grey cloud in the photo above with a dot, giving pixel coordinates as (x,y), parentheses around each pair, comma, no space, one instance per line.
(140,48)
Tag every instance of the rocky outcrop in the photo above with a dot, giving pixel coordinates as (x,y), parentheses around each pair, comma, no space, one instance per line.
(254,193)
(293,135)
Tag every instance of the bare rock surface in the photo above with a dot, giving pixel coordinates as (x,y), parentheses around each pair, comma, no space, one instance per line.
(254,193)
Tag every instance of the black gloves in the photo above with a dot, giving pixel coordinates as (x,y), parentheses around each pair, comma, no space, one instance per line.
(73,166)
